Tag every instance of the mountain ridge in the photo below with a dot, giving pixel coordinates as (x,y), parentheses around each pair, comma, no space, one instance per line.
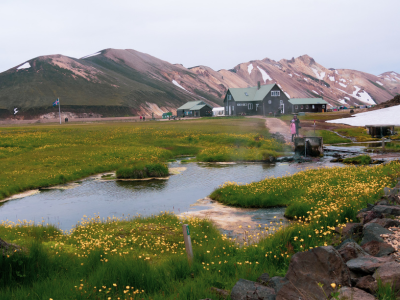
(126,81)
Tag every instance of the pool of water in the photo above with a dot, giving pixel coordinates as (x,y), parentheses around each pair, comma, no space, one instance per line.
(64,206)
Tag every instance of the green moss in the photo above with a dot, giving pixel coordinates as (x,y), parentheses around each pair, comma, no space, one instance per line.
(358,160)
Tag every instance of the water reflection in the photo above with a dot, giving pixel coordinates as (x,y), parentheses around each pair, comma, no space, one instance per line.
(65,205)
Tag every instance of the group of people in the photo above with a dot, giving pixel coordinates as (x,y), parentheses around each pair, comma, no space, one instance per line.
(142,118)
(294,127)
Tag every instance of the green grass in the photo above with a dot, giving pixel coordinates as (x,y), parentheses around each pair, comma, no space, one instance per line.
(44,155)
(359,133)
(358,160)
(143,170)
(328,136)
(148,256)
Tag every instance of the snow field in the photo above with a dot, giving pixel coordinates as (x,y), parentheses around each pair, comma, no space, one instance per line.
(384,116)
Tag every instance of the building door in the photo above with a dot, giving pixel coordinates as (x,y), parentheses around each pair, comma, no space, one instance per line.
(282,108)
(230,112)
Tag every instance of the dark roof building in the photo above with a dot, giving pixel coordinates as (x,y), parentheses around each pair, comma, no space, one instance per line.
(259,100)
(308,105)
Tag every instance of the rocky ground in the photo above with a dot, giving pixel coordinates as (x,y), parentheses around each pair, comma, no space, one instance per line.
(369,251)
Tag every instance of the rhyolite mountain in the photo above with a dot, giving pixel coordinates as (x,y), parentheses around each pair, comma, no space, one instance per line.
(127,82)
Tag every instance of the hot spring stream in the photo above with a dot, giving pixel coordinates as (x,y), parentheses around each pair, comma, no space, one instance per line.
(184,193)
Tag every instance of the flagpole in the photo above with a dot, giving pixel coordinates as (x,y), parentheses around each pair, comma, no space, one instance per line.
(59,109)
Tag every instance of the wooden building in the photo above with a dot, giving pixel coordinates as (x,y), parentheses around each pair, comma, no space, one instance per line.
(260,100)
(308,105)
(194,109)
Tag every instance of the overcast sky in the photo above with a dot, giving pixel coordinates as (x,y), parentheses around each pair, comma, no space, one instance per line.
(353,34)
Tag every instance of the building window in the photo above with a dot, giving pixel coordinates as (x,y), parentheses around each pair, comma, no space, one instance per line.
(269,101)
(323,105)
(233,107)
(229,97)
(313,106)
(296,107)
(275,93)
(250,106)
(301,107)
(306,106)
(226,109)
(281,102)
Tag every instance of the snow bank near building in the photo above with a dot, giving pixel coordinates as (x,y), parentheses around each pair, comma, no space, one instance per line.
(384,116)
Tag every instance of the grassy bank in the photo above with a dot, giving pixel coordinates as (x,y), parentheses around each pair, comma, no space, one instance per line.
(144,258)
(305,191)
(45,155)
(143,170)
(328,136)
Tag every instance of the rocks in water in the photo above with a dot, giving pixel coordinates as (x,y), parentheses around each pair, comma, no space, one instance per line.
(350,251)
(367,264)
(378,249)
(320,265)
(354,294)
(250,290)
(372,232)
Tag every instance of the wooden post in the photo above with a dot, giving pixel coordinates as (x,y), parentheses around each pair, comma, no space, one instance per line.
(188,242)
(383,143)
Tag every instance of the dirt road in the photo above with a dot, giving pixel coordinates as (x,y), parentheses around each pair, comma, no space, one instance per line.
(275,125)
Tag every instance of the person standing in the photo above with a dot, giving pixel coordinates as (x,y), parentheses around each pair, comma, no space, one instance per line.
(292,129)
(140,117)
(297,122)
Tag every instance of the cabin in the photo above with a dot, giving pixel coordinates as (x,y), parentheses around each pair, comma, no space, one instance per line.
(260,100)
(308,105)
(218,111)
(194,109)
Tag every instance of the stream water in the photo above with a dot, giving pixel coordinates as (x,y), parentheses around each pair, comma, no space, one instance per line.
(184,193)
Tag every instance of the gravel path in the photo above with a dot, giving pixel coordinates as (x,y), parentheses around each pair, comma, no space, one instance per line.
(275,125)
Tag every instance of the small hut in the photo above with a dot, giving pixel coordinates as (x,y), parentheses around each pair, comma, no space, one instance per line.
(379,131)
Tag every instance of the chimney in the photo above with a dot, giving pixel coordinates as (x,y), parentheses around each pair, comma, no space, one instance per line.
(258,85)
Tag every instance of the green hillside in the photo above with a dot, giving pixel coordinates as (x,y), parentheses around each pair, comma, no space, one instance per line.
(106,85)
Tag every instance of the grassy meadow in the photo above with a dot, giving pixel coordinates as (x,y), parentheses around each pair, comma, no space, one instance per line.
(45,155)
(145,258)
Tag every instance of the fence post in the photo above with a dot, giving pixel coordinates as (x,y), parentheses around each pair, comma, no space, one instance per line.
(188,242)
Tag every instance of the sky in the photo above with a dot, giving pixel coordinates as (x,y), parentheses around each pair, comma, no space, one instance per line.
(362,35)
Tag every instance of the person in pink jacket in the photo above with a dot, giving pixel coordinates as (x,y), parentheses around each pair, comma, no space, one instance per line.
(293,128)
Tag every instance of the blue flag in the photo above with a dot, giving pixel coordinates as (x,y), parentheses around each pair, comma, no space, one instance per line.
(55,103)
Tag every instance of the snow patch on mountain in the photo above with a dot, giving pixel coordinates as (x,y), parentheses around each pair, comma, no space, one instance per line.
(249,68)
(178,85)
(315,92)
(342,80)
(379,83)
(290,75)
(318,75)
(364,96)
(24,66)
(331,78)
(264,74)
(389,115)
(343,85)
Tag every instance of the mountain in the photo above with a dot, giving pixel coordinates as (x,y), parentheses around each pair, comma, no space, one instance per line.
(125,82)
(110,82)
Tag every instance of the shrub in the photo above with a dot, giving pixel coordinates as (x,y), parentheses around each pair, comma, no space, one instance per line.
(143,170)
